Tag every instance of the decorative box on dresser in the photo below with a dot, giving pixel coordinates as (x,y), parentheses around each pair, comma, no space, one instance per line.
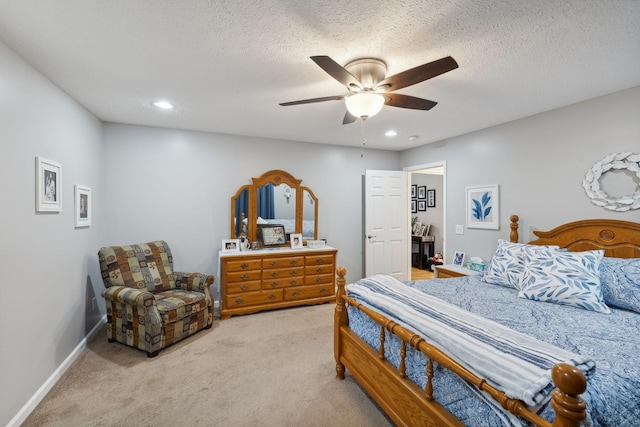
(253,281)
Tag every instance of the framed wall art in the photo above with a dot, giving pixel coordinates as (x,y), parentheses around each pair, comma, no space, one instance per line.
(422,192)
(414,191)
(422,205)
(414,206)
(83,206)
(48,185)
(483,207)
(431,198)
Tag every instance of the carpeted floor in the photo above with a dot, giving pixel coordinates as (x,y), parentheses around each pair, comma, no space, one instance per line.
(273,368)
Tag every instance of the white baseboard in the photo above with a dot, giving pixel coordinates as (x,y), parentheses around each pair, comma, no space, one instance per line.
(53,379)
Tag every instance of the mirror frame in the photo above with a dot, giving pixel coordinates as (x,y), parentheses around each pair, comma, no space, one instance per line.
(275,177)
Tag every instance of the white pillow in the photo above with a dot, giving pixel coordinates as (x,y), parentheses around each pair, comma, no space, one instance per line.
(507,264)
(568,278)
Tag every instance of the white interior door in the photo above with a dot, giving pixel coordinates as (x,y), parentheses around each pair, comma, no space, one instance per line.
(386,223)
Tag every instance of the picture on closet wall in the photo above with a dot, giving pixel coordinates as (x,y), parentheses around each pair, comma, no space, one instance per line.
(422,192)
(48,185)
(414,191)
(83,206)
(431,198)
(422,205)
(414,206)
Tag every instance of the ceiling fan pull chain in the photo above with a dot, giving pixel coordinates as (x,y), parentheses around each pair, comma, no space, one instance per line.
(364,139)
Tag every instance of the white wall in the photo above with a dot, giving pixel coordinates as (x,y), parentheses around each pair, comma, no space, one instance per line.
(539,162)
(48,272)
(177,186)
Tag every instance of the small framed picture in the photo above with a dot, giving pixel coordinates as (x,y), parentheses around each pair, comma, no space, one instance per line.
(431,198)
(414,206)
(272,234)
(48,185)
(416,228)
(296,241)
(414,191)
(422,205)
(422,192)
(83,206)
(230,245)
(483,207)
(458,258)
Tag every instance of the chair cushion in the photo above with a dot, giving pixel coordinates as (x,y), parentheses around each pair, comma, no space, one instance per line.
(146,265)
(177,304)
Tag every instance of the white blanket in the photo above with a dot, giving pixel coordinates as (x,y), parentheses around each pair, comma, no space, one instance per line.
(510,361)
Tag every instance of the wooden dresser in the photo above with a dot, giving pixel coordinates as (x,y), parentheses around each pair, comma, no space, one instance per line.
(265,279)
(448,271)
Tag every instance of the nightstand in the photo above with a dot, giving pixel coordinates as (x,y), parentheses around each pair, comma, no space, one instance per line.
(448,271)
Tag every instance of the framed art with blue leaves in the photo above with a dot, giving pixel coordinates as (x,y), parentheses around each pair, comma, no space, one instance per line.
(483,207)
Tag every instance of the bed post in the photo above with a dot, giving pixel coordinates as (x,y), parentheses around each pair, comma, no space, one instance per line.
(513,236)
(565,399)
(339,320)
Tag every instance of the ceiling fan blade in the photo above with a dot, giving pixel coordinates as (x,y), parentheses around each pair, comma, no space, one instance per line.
(418,74)
(337,71)
(309,101)
(348,118)
(406,101)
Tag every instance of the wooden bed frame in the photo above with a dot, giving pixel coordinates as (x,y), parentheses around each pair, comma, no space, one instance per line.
(407,404)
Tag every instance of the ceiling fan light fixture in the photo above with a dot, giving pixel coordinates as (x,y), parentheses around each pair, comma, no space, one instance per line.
(364,104)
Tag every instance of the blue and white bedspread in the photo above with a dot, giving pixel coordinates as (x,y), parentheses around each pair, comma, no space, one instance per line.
(510,341)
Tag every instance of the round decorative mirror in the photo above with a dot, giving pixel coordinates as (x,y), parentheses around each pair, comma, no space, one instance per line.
(626,163)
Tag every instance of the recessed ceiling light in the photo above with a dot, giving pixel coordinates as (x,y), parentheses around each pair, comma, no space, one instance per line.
(391,133)
(163,105)
(413,137)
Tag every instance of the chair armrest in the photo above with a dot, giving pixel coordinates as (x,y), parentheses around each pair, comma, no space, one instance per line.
(192,281)
(131,296)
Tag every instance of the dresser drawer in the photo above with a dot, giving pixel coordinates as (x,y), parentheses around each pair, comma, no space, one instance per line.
(319,269)
(283,273)
(282,283)
(317,279)
(243,276)
(318,259)
(253,298)
(244,265)
(303,292)
(291,261)
(238,287)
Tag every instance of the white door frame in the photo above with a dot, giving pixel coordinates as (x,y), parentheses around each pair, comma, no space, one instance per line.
(443,165)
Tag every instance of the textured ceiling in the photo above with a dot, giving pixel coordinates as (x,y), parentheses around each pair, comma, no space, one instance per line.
(228,64)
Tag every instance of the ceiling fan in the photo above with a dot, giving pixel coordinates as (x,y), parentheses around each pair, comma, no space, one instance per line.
(369,90)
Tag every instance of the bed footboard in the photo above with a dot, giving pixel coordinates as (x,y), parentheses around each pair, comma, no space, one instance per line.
(406,403)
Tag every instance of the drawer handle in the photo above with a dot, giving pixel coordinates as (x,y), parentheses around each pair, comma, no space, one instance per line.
(293,282)
(244,287)
(272,297)
(294,294)
(323,290)
(274,274)
(274,284)
(244,265)
(319,270)
(274,263)
(293,262)
(318,279)
(319,260)
(293,272)
(244,276)
(239,300)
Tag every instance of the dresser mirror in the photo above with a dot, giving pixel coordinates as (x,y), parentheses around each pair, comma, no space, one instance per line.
(275,197)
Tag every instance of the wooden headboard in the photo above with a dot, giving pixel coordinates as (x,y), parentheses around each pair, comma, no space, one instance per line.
(617,238)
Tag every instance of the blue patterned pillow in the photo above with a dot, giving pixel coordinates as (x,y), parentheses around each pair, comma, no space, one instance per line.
(569,278)
(620,281)
(507,265)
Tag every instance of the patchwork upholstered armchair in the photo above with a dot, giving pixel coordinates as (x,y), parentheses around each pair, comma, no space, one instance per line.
(150,306)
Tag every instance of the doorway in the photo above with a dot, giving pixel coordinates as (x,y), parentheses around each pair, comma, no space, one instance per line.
(429,207)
